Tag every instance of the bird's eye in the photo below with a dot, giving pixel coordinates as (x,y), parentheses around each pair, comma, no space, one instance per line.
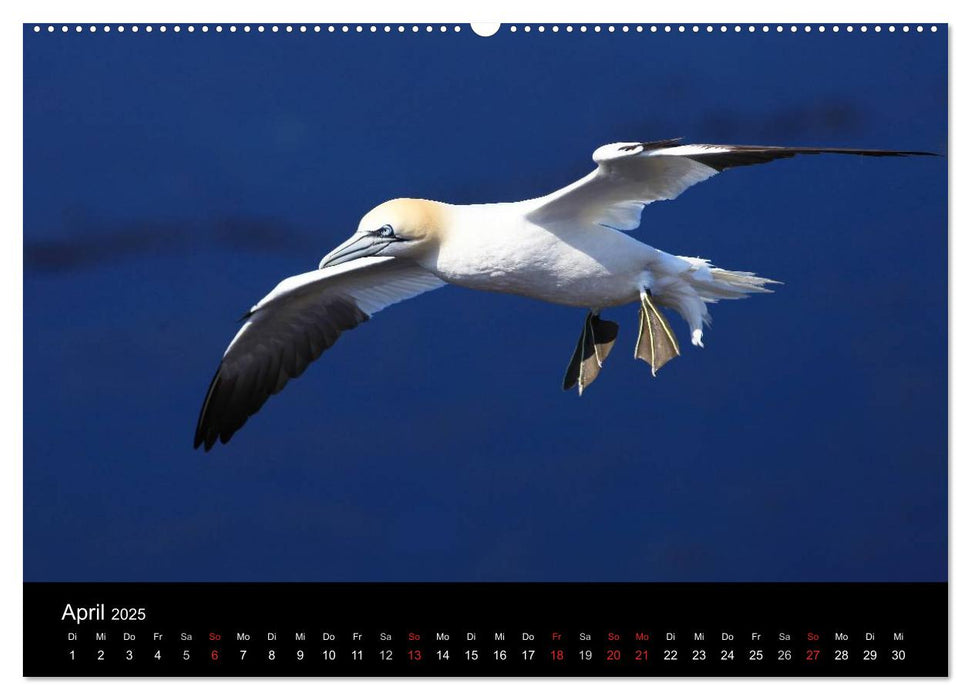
(386,231)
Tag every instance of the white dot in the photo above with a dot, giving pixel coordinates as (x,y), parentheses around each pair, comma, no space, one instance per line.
(93,29)
(625,28)
(387,29)
(219,28)
(765,28)
(891,29)
(906,29)
(822,28)
(191,28)
(135,28)
(414,28)
(77,28)
(640,28)
(793,28)
(751,29)
(36,28)
(205,29)
(121,29)
(653,28)
(724,28)
(400,28)
(695,29)
(51,29)
(681,28)
(555,29)
(836,28)
(359,29)
(667,28)
(246,28)
(303,29)
(344,29)
(878,29)
(458,28)
(512,29)
(428,28)
(920,29)
(863,29)
(807,28)
(261,28)
(709,29)
(275,28)
(583,28)
(934,29)
(177,29)
(64,28)
(317,28)
(527,28)
(737,29)
(779,28)
(569,29)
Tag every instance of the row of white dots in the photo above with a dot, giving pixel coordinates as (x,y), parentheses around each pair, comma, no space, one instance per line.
(302,28)
(245,28)
(695,28)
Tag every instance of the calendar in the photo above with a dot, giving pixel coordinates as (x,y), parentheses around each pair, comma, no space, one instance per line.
(625,630)
(471,350)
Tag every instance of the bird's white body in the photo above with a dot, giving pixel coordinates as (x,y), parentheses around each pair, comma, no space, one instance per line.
(496,248)
(503,248)
(568,248)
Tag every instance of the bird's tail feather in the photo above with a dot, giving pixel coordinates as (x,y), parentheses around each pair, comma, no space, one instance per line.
(729,284)
(702,284)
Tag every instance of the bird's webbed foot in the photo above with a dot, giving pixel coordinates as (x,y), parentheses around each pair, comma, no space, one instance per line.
(656,342)
(594,345)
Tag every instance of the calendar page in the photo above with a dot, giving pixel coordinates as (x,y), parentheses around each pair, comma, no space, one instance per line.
(485,350)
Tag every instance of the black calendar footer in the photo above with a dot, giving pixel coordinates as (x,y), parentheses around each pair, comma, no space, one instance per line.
(485,629)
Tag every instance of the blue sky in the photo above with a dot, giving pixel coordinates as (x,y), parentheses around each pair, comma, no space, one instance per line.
(171,180)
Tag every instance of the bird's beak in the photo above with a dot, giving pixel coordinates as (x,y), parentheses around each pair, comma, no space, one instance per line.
(362,244)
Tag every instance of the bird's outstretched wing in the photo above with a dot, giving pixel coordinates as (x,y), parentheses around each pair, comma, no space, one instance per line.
(286,331)
(632,175)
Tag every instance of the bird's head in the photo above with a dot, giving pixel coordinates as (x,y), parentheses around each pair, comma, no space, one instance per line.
(400,228)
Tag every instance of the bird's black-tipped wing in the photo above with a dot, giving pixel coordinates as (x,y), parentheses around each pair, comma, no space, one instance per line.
(632,175)
(290,328)
(723,157)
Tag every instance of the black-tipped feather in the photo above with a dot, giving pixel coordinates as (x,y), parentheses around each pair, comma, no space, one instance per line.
(736,156)
(652,145)
(239,389)
(756,155)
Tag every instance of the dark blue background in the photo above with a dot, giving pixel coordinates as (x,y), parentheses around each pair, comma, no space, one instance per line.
(172,180)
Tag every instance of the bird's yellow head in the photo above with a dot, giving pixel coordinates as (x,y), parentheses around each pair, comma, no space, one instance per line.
(398,228)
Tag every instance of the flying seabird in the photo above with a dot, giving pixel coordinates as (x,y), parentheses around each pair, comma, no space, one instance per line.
(568,247)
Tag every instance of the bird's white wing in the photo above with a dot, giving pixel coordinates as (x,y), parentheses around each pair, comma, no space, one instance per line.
(290,327)
(632,175)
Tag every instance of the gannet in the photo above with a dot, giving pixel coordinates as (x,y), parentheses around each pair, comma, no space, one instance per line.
(567,247)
